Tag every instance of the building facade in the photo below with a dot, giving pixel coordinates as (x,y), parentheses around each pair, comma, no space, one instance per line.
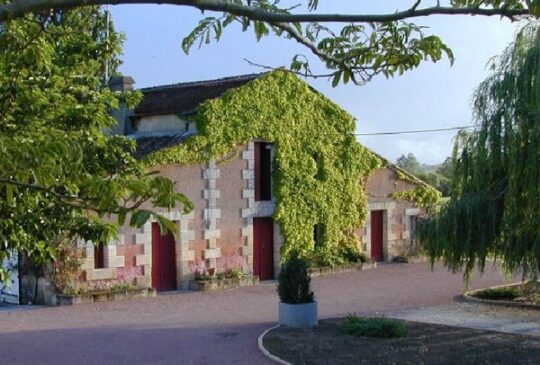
(231,225)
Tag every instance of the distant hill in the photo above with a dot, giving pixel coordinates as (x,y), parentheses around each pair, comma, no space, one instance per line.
(437,175)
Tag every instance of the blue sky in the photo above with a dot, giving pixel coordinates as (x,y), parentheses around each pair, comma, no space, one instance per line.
(432,96)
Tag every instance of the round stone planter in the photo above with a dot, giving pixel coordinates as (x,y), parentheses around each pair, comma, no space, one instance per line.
(298,315)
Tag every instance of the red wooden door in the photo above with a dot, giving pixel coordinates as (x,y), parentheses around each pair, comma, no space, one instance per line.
(377,252)
(163,260)
(263,248)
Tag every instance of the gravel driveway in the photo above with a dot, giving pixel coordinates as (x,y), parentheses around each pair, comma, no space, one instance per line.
(213,327)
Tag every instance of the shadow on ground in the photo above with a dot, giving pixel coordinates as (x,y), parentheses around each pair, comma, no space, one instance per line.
(135,345)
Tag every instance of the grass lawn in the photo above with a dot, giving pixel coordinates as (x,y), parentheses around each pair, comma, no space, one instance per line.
(424,344)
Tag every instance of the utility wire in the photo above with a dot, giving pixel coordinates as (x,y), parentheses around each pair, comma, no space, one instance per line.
(417,131)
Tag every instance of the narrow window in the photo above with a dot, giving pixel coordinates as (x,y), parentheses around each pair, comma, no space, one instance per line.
(320,170)
(99,256)
(318,234)
(413,223)
(263,171)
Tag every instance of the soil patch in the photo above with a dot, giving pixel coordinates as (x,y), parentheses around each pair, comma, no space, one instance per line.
(425,344)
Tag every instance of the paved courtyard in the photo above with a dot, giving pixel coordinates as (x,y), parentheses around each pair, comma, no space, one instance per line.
(213,327)
(479,316)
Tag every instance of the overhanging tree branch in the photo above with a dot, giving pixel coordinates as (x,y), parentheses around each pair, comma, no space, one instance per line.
(75,201)
(18,8)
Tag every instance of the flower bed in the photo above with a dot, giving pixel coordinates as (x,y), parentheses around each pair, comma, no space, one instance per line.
(424,344)
(102,296)
(339,269)
(215,283)
(526,295)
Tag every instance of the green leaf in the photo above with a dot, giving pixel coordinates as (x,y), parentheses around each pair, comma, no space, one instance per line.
(166,225)
(139,218)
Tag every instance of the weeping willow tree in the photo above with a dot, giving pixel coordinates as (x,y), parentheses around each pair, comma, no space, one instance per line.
(494,210)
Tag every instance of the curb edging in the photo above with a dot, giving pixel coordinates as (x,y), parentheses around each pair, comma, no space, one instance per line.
(267,353)
(469,297)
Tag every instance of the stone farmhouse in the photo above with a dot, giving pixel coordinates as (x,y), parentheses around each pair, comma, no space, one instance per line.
(249,210)
(231,225)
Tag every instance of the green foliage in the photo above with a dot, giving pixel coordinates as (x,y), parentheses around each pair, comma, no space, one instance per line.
(67,267)
(294,281)
(494,208)
(60,175)
(422,194)
(368,45)
(305,127)
(233,274)
(373,327)
(81,289)
(446,169)
(356,52)
(500,293)
(410,163)
(206,277)
(344,255)
(439,179)
(410,249)
(123,287)
(353,255)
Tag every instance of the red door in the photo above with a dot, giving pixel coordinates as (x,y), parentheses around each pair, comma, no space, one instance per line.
(263,248)
(163,260)
(377,253)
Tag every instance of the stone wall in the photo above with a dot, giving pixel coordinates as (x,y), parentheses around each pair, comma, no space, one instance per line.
(218,233)
(214,236)
(397,214)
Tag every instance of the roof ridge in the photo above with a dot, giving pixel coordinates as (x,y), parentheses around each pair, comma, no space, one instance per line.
(204,82)
(395,167)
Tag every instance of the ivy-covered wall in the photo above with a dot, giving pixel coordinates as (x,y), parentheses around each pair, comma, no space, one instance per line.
(423,194)
(319,166)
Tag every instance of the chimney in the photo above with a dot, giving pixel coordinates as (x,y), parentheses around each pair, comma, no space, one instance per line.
(121,83)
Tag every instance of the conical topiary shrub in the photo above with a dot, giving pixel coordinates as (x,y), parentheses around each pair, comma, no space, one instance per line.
(294,281)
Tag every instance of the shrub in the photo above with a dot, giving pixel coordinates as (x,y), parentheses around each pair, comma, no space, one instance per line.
(532,286)
(411,248)
(67,267)
(203,277)
(373,327)
(351,254)
(233,274)
(330,258)
(294,281)
(500,293)
(123,286)
(79,289)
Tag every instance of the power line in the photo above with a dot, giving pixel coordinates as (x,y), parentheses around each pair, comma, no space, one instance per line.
(416,131)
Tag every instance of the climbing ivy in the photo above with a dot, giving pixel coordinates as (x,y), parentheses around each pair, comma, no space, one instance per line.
(318,166)
(423,194)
